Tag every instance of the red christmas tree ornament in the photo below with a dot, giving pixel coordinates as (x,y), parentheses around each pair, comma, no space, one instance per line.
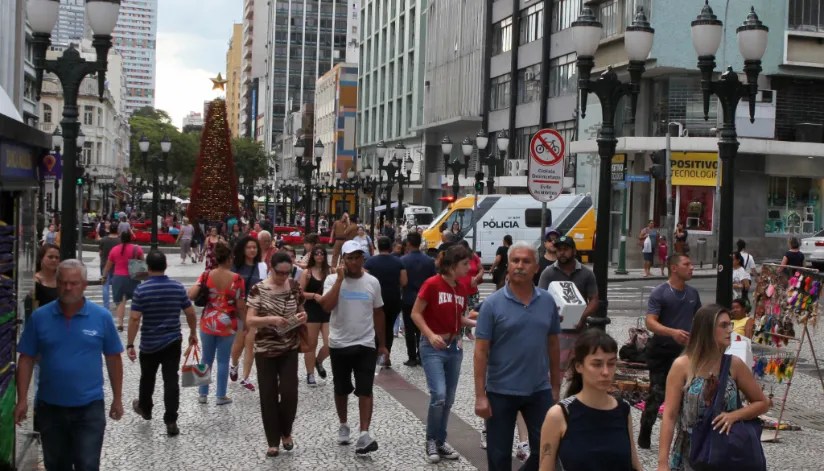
(214,190)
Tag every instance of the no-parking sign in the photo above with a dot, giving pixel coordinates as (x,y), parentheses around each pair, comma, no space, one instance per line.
(545,178)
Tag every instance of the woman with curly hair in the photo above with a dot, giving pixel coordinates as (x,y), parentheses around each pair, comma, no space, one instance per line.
(246,262)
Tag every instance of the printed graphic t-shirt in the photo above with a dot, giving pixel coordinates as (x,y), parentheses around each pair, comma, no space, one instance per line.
(352,320)
(444,304)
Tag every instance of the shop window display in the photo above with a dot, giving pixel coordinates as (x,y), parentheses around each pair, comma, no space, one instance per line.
(695,205)
(793,205)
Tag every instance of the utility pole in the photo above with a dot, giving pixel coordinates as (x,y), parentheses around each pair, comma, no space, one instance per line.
(668,169)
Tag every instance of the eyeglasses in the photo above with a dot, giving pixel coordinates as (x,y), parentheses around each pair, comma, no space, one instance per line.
(725,325)
(282,273)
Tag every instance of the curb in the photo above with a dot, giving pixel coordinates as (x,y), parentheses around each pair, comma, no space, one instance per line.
(658,278)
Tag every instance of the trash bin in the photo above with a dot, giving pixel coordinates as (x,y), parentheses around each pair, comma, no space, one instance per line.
(700,252)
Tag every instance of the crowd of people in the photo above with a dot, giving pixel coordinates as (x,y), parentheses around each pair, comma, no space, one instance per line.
(259,302)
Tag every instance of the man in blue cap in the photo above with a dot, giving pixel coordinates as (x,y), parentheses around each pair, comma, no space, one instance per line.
(550,253)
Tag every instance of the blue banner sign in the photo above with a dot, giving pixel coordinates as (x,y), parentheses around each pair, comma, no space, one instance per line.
(17,161)
(638,178)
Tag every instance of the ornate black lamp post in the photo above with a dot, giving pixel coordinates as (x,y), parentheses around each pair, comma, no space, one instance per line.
(586,35)
(707,30)
(306,169)
(371,185)
(157,163)
(491,160)
(267,188)
(455,165)
(71,69)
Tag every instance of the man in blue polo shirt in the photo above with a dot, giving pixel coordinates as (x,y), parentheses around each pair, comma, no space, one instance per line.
(516,350)
(70,336)
(158,303)
(419,268)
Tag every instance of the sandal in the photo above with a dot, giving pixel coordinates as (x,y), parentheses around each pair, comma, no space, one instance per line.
(272,452)
(288,446)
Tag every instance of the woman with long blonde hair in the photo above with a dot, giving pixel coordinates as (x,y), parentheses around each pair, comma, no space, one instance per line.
(693,382)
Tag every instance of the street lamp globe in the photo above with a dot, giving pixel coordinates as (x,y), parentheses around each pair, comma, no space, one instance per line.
(42,15)
(706,32)
(338,174)
(409,164)
(57,137)
(319,149)
(752,37)
(381,149)
(350,174)
(466,147)
(446,146)
(362,174)
(638,37)
(143,143)
(586,33)
(81,139)
(481,139)
(299,148)
(367,170)
(503,141)
(165,144)
(400,150)
(240,179)
(102,15)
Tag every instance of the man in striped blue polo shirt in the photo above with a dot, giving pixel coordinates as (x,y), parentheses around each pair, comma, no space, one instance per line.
(158,302)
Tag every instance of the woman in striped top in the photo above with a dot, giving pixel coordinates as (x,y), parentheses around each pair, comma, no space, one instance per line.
(275,310)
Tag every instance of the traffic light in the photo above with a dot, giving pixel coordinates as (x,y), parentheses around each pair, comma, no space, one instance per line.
(479,187)
(80,172)
(659,165)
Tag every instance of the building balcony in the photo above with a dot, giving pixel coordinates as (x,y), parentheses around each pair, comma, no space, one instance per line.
(249,9)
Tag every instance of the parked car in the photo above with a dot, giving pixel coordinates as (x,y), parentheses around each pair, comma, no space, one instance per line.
(813,250)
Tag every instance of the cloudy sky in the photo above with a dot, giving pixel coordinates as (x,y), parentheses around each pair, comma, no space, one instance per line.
(192,40)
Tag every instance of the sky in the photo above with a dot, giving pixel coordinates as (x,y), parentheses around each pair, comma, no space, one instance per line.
(192,40)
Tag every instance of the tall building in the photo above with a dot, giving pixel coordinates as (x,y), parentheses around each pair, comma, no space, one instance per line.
(309,37)
(391,81)
(336,105)
(71,23)
(234,58)
(193,119)
(17,76)
(254,48)
(135,38)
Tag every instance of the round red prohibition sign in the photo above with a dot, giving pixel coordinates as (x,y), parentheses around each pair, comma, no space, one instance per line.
(547,147)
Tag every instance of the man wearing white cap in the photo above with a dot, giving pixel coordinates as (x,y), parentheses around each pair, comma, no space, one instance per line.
(353,297)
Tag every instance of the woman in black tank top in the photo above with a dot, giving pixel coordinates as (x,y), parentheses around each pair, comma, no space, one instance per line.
(590,427)
(317,320)
(45,279)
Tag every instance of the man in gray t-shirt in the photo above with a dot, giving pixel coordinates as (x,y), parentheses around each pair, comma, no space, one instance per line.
(123,226)
(669,316)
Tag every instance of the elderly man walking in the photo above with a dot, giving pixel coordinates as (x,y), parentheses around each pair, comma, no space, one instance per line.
(70,336)
(267,249)
(516,351)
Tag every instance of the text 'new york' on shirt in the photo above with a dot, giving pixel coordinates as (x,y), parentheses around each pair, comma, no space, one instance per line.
(445,304)
(351,321)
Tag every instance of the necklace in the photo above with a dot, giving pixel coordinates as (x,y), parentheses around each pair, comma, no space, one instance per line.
(673,292)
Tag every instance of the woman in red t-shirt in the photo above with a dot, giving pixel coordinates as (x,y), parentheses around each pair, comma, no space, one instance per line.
(476,272)
(438,313)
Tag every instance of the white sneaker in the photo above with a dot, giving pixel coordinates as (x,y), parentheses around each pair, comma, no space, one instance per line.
(522,451)
(343,435)
(447,452)
(366,444)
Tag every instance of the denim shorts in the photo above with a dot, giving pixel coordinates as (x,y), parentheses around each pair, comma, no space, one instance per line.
(123,286)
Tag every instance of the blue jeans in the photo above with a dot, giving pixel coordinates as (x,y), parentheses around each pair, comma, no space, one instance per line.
(398,324)
(72,437)
(107,284)
(442,369)
(500,427)
(213,345)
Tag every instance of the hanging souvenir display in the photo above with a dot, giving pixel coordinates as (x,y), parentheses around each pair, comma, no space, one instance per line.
(784,297)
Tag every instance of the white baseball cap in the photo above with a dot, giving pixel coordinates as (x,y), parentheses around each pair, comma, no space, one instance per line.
(351,246)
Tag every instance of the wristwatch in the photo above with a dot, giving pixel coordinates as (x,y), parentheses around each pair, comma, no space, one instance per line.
(130,346)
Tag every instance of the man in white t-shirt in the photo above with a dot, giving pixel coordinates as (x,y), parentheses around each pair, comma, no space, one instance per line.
(740,276)
(646,250)
(747,261)
(353,297)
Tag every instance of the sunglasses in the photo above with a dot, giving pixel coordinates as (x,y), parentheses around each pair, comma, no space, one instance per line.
(282,273)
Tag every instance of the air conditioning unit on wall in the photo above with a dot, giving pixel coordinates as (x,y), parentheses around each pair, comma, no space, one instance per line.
(764,125)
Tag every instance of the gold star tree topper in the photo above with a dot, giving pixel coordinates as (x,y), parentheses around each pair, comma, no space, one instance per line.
(218,82)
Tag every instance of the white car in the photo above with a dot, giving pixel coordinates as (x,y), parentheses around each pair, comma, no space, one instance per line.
(813,250)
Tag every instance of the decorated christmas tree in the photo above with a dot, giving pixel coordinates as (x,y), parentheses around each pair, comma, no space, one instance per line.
(214,191)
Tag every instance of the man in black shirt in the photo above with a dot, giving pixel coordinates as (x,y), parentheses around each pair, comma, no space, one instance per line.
(391,273)
(550,253)
(499,266)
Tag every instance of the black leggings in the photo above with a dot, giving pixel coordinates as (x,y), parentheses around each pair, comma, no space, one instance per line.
(411,333)
(278,377)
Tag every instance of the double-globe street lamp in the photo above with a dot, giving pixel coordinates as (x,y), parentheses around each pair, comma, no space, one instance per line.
(157,162)
(586,35)
(492,161)
(71,69)
(456,165)
(394,169)
(305,170)
(371,185)
(167,185)
(707,31)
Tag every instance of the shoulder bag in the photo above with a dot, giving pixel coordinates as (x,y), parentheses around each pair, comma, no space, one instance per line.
(202,298)
(137,268)
(304,345)
(738,450)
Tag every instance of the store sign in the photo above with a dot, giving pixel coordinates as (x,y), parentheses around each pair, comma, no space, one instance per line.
(619,168)
(51,167)
(694,168)
(17,161)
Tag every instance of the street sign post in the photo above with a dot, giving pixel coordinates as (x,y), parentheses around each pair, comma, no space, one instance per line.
(545,177)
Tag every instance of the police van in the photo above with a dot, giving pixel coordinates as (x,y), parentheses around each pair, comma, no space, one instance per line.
(519,216)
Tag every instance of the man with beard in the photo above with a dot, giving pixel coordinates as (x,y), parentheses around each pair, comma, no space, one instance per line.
(550,253)
(71,337)
(568,268)
(517,359)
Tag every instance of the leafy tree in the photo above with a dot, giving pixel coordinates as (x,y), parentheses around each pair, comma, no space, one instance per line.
(192,129)
(251,161)
(153,113)
(182,156)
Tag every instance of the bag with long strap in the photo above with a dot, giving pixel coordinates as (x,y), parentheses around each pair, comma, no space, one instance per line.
(202,298)
(194,373)
(138,270)
(738,450)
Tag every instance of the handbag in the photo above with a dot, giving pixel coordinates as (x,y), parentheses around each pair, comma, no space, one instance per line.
(738,450)
(202,298)
(138,270)
(194,374)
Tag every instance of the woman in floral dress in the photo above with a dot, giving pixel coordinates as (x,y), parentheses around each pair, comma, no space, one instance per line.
(692,384)
(209,248)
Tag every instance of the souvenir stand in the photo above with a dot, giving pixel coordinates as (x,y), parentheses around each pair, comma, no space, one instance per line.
(785,299)
(21,147)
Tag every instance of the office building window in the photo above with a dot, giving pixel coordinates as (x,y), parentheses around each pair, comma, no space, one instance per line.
(47,113)
(608,16)
(87,153)
(564,12)
(562,75)
(500,92)
(532,24)
(522,138)
(806,15)
(88,115)
(502,36)
(529,84)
